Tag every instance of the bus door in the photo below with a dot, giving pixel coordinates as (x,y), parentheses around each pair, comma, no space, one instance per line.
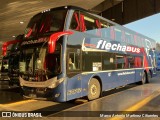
(74,83)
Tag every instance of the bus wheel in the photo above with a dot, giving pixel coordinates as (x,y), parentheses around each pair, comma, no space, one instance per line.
(94,89)
(143,81)
(149,77)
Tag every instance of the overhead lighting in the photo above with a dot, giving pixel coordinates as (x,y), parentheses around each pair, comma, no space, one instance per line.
(21,22)
(113,19)
(13,36)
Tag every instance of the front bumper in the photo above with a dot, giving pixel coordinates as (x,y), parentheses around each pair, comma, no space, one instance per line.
(52,89)
(4,76)
(51,83)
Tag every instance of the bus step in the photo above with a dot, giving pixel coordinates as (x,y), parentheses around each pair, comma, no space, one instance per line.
(80,101)
(120,87)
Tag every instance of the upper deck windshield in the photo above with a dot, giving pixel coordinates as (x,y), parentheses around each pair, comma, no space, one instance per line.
(46,23)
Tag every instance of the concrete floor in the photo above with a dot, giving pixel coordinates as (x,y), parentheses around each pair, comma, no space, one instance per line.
(111,102)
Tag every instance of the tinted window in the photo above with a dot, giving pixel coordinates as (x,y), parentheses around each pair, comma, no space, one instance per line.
(74,61)
(108,60)
(85,23)
(135,62)
(91,61)
(119,62)
(105,29)
(138,62)
(75,25)
(51,21)
(90,24)
(118,34)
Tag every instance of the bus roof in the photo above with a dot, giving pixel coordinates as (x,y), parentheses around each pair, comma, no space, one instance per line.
(81,9)
(62,7)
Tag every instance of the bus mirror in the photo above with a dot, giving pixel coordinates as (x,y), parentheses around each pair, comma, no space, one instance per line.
(54,37)
(4,49)
(6,44)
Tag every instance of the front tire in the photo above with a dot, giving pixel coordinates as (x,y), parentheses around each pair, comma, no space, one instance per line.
(94,89)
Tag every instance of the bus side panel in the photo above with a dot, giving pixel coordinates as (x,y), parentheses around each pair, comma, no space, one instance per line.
(77,86)
(106,78)
(139,73)
(109,80)
(125,77)
(74,87)
(85,82)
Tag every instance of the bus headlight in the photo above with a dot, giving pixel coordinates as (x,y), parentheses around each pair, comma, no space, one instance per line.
(56,82)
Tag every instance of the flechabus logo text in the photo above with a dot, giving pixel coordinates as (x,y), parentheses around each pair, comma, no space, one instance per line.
(116,47)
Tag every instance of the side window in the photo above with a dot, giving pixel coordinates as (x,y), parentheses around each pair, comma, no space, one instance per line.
(121,62)
(129,38)
(135,62)
(75,24)
(73,61)
(138,62)
(91,61)
(105,29)
(131,61)
(108,61)
(90,24)
(118,34)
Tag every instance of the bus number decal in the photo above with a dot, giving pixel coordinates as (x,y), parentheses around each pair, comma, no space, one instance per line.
(74,91)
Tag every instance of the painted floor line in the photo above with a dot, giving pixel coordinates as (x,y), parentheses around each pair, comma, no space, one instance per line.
(138,105)
(17,103)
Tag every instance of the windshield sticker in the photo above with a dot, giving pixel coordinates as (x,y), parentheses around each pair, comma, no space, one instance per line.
(22,66)
(97,66)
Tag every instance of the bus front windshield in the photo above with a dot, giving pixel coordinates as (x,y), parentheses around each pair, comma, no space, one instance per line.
(46,23)
(4,65)
(37,64)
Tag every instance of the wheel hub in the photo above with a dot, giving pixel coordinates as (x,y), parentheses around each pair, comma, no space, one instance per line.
(93,89)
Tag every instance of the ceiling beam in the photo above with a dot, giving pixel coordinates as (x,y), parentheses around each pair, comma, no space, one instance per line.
(106,4)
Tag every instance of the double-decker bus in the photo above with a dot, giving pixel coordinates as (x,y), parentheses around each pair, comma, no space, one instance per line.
(13,62)
(158,60)
(68,53)
(4,69)
(10,61)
